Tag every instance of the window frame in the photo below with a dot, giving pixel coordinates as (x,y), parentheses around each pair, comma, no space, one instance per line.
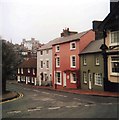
(98,81)
(58,83)
(71,61)
(57,62)
(72,77)
(71,48)
(85,78)
(84,60)
(56,48)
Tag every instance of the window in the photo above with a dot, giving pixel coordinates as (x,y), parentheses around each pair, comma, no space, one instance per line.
(33,71)
(115,65)
(47,64)
(57,61)
(28,70)
(41,64)
(21,70)
(115,37)
(18,70)
(73,61)
(98,79)
(58,78)
(47,51)
(84,77)
(73,77)
(41,52)
(57,48)
(97,60)
(72,45)
(84,60)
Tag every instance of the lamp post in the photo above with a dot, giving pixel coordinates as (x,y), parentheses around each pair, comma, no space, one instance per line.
(104,48)
(55,72)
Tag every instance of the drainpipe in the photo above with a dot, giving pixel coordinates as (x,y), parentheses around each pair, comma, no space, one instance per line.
(105,60)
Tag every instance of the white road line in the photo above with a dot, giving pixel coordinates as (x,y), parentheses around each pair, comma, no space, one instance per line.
(60,95)
(46,93)
(54,108)
(11,112)
(30,110)
(76,98)
(36,90)
(73,106)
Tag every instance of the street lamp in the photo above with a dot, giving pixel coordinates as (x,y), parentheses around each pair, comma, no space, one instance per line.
(104,48)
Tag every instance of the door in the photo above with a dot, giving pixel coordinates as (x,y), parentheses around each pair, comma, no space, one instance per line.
(90,78)
(64,79)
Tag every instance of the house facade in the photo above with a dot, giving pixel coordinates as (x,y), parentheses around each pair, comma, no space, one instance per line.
(110,28)
(65,58)
(91,67)
(44,64)
(27,71)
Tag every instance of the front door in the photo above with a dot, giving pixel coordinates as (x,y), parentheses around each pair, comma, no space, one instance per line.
(90,78)
(64,79)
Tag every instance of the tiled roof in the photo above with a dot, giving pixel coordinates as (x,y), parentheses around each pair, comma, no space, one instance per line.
(63,40)
(93,47)
(30,63)
(70,38)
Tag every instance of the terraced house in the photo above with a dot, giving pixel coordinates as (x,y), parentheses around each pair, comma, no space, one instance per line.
(110,47)
(27,71)
(65,57)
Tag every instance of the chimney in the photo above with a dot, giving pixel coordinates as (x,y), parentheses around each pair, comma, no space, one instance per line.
(66,32)
(112,4)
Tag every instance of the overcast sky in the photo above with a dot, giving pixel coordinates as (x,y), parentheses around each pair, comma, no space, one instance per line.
(45,19)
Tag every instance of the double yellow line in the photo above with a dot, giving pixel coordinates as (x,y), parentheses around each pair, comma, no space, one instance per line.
(20,95)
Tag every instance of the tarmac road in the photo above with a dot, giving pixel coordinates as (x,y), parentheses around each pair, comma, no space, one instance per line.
(42,103)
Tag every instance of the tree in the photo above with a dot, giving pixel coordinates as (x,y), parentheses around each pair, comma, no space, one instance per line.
(8,62)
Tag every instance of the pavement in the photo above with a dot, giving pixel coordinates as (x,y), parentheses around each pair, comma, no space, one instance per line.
(11,95)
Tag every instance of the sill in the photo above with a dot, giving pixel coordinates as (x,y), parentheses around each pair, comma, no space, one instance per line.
(114,74)
(98,85)
(58,84)
(73,82)
(73,49)
(85,83)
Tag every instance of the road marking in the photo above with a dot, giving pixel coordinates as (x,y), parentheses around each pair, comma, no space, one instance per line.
(76,98)
(20,95)
(54,108)
(36,90)
(60,95)
(87,105)
(106,103)
(46,93)
(12,112)
(30,110)
(73,106)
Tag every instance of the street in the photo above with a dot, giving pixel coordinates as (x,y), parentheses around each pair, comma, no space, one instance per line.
(42,103)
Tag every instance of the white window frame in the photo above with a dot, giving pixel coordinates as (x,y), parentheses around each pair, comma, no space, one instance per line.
(114,43)
(28,70)
(47,64)
(18,78)
(56,47)
(72,78)
(18,70)
(57,62)
(71,48)
(33,71)
(98,79)
(32,80)
(114,61)
(71,61)
(84,77)
(97,61)
(40,64)
(84,60)
(22,71)
(56,80)
(42,52)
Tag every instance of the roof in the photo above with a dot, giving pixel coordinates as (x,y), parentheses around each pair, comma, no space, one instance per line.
(63,40)
(30,63)
(113,14)
(70,38)
(93,47)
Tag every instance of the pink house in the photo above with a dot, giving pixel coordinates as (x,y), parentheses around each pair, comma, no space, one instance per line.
(65,54)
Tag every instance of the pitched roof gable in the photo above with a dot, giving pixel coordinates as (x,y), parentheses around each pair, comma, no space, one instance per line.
(30,63)
(93,47)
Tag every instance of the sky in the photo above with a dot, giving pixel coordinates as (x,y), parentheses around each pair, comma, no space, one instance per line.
(44,20)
